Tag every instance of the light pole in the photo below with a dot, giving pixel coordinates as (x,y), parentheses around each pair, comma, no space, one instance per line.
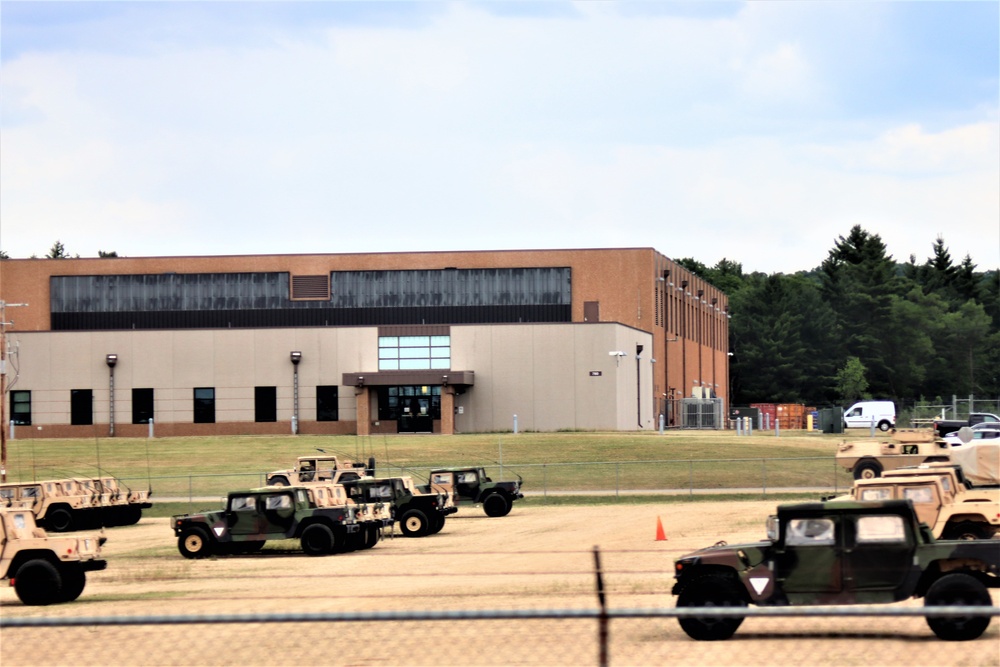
(111,360)
(296,357)
(3,385)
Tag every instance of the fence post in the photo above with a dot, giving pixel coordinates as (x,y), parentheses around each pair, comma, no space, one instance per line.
(617,478)
(763,465)
(545,481)
(691,478)
(602,619)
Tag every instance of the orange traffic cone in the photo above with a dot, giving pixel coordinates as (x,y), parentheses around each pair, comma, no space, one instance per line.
(660,535)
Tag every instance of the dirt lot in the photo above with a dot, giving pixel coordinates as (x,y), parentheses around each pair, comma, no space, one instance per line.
(537,558)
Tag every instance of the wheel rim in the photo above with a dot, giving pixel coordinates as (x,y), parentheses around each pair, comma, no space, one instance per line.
(194,543)
(413,523)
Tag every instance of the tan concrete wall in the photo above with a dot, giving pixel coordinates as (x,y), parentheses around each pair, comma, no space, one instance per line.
(539,372)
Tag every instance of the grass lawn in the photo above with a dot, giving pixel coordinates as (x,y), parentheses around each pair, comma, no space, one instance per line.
(548,462)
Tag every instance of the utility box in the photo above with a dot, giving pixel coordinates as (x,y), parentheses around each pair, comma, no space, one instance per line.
(831,420)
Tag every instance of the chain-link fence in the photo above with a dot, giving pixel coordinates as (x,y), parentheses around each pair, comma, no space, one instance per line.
(815,474)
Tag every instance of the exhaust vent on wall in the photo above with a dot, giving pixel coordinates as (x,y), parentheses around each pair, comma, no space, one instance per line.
(314,288)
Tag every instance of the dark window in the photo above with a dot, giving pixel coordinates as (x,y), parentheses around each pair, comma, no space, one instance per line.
(81,407)
(20,408)
(142,406)
(405,402)
(265,402)
(326,404)
(204,405)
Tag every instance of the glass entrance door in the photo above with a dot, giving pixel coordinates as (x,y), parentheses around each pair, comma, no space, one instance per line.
(413,407)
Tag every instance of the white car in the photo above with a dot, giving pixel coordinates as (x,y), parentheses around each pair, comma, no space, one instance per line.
(981,431)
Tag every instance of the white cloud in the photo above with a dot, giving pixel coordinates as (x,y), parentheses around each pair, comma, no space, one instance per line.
(722,137)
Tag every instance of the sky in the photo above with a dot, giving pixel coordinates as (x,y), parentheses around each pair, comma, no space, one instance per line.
(755,132)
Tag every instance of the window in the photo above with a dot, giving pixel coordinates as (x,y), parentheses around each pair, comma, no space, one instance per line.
(204,405)
(327,407)
(919,494)
(284,501)
(242,504)
(20,408)
(265,402)
(881,529)
(142,406)
(810,532)
(81,407)
(408,353)
(875,494)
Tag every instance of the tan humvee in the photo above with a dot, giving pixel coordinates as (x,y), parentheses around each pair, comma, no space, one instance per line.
(44,569)
(867,459)
(66,504)
(320,468)
(940,499)
(371,517)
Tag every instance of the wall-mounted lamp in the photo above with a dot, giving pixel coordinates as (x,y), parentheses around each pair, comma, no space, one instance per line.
(684,284)
(111,360)
(444,380)
(360,382)
(296,357)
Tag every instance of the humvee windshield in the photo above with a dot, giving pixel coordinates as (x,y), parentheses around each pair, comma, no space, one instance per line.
(810,532)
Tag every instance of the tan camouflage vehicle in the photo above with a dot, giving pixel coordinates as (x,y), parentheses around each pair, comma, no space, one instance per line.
(940,498)
(42,569)
(317,468)
(867,459)
(62,505)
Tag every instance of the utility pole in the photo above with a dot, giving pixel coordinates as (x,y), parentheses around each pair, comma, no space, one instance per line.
(3,385)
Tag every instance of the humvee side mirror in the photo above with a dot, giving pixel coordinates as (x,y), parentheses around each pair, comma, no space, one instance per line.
(772,528)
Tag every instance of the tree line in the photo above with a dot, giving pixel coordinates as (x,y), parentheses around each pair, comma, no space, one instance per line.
(862,325)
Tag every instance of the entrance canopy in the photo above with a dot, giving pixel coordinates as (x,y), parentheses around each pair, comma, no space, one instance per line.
(443,378)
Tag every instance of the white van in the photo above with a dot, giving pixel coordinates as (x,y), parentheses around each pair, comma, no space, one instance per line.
(866,413)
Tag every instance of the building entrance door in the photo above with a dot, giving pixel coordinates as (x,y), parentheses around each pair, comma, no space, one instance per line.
(413,407)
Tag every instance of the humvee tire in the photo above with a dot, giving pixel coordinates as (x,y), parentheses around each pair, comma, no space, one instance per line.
(496,504)
(60,519)
(867,470)
(278,481)
(372,536)
(957,589)
(38,582)
(437,523)
(194,543)
(414,524)
(73,582)
(317,540)
(711,590)
(967,530)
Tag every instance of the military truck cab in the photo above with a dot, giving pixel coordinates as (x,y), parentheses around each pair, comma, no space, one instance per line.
(472,486)
(45,569)
(255,516)
(839,553)
(420,512)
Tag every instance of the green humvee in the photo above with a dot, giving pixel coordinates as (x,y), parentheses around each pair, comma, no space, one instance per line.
(840,553)
(319,516)
(474,486)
